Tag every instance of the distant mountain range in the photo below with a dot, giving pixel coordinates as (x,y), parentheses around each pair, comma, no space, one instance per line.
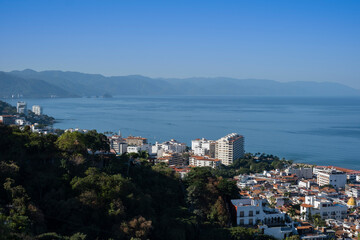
(32,84)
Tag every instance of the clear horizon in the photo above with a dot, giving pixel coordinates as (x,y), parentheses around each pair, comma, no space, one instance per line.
(279,40)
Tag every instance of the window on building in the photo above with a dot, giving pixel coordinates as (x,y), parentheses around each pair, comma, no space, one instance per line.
(251,213)
(241,213)
(241,221)
(251,221)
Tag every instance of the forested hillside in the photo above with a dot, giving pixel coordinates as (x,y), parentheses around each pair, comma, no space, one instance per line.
(54,188)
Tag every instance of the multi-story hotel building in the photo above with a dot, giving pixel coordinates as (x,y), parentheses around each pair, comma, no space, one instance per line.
(229,148)
(331,177)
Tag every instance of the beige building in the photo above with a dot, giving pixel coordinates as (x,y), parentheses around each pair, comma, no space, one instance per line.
(229,148)
(135,141)
(171,159)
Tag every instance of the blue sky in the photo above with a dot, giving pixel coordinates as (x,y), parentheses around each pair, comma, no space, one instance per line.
(292,40)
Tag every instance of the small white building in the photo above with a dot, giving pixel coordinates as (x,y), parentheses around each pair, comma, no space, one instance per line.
(136,149)
(352,191)
(325,208)
(254,212)
(204,161)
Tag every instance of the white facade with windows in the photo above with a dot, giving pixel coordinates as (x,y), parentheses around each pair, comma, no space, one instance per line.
(136,149)
(204,161)
(37,109)
(229,148)
(171,146)
(333,177)
(202,147)
(300,172)
(325,208)
(21,107)
(253,212)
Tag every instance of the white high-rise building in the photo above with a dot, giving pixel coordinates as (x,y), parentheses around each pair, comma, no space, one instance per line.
(229,148)
(37,109)
(21,107)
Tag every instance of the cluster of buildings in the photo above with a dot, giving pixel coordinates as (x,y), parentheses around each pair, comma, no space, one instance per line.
(21,108)
(20,119)
(203,152)
(314,202)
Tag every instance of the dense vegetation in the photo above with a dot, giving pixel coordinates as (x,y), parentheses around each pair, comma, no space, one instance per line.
(59,188)
(252,163)
(7,109)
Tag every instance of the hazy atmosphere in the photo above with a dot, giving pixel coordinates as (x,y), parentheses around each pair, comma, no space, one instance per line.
(278,40)
(179,120)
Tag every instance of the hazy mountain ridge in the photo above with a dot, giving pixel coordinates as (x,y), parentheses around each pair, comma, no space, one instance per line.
(81,84)
(29,87)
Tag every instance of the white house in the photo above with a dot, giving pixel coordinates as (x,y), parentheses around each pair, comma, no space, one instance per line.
(324,207)
(254,212)
(204,161)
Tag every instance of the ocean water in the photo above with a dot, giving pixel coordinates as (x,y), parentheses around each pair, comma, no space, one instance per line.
(322,131)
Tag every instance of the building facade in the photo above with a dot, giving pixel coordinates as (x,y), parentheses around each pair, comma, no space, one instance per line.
(136,141)
(300,172)
(254,212)
(204,161)
(37,109)
(229,148)
(331,177)
(21,107)
(325,208)
(202,147)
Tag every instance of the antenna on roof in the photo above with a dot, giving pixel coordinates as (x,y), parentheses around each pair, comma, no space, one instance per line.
(119,133)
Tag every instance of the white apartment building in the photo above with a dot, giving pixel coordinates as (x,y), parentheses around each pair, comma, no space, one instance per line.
(21,107)
(300,172)
(204,161)
(254,212)
(202,147)
(331,176)
(325,208)
(37,109)
(136,149)
(229,148)
(171,146)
